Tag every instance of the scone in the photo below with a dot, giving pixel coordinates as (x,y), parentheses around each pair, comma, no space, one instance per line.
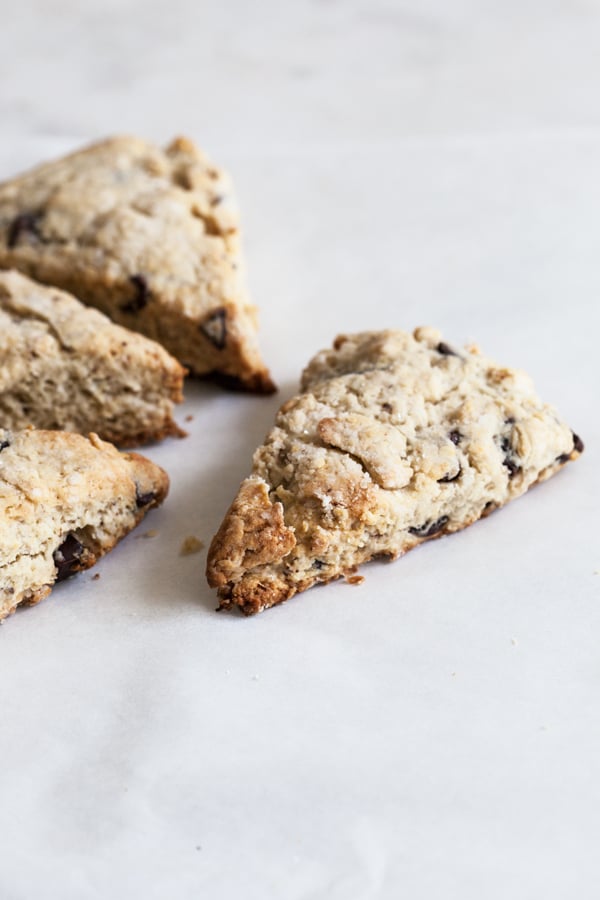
(394,439)
(65,500)
(150,237)
(66,366)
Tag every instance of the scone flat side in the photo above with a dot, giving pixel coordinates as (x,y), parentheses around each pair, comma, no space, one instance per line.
(394,440)
(151,238)
(66,366)
(65,501)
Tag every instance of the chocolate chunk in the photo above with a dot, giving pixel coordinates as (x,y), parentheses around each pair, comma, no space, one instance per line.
(141,296)
(429,528)
(512,466)
(144,499)
(4,445)
(505,444)
(445,349)
(447,479)
(67,558)
(25,225)
(318,564)
(577,446)
(510,420)
(214,328)
(387,407)
(455,437)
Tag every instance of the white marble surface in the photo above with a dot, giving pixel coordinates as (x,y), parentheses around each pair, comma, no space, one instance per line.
(434,732)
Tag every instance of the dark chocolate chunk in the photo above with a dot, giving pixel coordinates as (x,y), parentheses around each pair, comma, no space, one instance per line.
(512,466)
(144,499)
(447,479)
(25,225)
(4,445)
(577,445)
(214,328)
(510,420)
(387,407)
(455,437)
(141,296)
(429,528)
(318,564)
(67,558)
(445,349)
(505,444)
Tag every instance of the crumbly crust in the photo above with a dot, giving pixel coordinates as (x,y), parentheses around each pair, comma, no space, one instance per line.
(66,366)
(65,501)
(150,237)
(394,440)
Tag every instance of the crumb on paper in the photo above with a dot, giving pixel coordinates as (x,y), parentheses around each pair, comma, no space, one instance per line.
(96,576)
(191,544)
(514,642)
(151,533)
(189,418)
(355,579)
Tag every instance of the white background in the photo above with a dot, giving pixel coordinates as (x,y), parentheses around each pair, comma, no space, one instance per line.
(434,732)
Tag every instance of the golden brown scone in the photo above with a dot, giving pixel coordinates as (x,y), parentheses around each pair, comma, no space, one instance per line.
(395,439)
(66,366)
(65,501)
(150,237)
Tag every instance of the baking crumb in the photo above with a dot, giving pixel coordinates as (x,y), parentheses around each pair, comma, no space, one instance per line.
(189,418)
(514,642)
(148,534)
(96,576)
(191,545)
(355,579)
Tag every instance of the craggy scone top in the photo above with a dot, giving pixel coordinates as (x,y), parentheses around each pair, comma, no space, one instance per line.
(148,236)
(395,438)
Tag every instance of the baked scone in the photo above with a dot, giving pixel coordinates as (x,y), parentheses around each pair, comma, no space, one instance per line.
(150,237)
(394,439)
(65,500)
(66,366)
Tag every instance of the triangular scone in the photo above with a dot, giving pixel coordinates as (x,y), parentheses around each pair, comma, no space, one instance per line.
(150,237)
(66,366)
(65,500)
(394,439)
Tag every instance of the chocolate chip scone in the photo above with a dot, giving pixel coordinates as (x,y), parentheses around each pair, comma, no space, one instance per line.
(65,501)
(394,439)
(150,237)
(66,366)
